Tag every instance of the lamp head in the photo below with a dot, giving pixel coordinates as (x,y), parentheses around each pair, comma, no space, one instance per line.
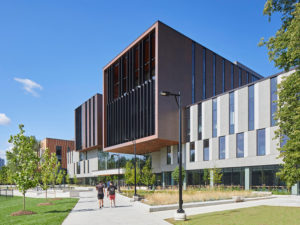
(164,93)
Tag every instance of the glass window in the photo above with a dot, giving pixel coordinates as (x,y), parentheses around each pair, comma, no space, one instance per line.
(206,150)
(199,121)
(261,142)
(273,99)
(192,152)
(214,75)
(231,113)
(204,74)
(188,125)
(251,107)
(169,155)
(214,117)
(78,167)
(222,147)
(240,145)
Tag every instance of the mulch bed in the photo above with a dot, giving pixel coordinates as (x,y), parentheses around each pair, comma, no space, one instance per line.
(22,212)
(55,199)
(45,203)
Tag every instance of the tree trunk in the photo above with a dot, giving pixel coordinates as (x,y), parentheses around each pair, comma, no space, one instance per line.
(46,194)
(23,200)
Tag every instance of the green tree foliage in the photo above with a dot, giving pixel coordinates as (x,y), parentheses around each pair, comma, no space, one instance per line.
(206,176)
(129,173)
(284,50)
(3,175)
(217,175)
(175,174)
(75,180)
(147,177)
(23,162)
(67,178)
(48,164)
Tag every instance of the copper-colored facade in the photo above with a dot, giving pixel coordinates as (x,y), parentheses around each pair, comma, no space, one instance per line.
(58,146)
(88,124)
(182,65)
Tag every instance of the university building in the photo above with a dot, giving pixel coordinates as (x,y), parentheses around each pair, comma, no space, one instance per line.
(228,112)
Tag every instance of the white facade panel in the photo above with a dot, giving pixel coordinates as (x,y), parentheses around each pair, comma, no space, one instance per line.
(223,115)
(241,110)
(207,119)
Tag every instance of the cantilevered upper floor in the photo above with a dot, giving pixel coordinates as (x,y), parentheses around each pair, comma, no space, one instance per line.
(161,59)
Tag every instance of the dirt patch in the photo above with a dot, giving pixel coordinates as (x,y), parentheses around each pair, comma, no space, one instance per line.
(45,203)
(22,212)
(55,199)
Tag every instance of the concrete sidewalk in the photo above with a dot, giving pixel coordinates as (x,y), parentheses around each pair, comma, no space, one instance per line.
(133,213)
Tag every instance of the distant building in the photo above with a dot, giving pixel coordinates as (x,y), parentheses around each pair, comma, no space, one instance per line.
(60,147)
(2,162)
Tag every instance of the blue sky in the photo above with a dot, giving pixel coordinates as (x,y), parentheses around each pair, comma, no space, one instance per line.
(52,52)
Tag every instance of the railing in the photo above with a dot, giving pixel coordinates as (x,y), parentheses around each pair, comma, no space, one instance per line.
(6,192)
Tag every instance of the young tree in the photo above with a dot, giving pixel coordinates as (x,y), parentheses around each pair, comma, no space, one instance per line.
(60,177)
(67,178)
(284,50)
(206,176)
(48,163)
(75,180)
(217,175)
(55,173)
(129,173)
(3,175)
(175,174)
(23,161)
(147,178)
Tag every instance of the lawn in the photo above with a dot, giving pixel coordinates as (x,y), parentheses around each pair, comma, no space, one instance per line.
(165,197)
(47,214)
(260,215)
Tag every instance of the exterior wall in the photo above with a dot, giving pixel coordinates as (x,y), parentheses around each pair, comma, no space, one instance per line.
(51,144)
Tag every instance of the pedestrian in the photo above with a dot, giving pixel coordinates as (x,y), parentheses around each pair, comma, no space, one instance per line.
(101,191)
(111,192)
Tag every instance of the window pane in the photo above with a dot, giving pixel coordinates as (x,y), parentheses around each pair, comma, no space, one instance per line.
(251,108)
(273,98)
(231,113)
(206,150)
(192,152)
(261,142)
(168,155)
(214,114)
(222,147)
(199,121)
(240,145)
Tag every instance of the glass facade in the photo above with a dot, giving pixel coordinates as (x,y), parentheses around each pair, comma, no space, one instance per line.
(273,99)
(206,150)
(222,147)
(251,107)
(261,142)
(169,155)
(214,117)
(78,168)
(231,113)
(192,152)
(240,145)
(199,121)
(59,153)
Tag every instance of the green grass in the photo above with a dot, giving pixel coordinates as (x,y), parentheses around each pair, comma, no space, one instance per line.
(50,214)
(260,215)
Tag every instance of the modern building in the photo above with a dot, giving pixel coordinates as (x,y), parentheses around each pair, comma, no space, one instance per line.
(58,146)
(161,59)
(88,161)
(2,162)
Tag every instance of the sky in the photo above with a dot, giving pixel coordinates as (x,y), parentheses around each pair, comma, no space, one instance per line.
(52,52)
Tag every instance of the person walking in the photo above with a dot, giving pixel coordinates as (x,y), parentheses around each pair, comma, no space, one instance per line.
(101,191)
(111,192)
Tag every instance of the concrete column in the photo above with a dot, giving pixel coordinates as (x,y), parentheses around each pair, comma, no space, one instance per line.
(211,176)
(248,178)
(296,189)
(184,181)
(163,179)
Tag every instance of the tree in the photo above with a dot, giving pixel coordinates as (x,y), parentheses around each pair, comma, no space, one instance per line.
(129,173)
(217,175)
(55,173)
(175,174)
(60,177)
(3,175)
(23,162)
(48,163)
(75,180)
(206,176)
(67,178)
(147,178)
(284,50)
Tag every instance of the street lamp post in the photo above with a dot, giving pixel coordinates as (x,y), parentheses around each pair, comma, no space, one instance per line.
(180,214)
(118,155)
(135,196)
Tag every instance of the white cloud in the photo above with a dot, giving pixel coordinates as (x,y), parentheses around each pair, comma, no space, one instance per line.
(4,120)
(29,86)
(3,152)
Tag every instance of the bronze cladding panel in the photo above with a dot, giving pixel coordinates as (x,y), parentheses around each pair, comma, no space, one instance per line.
(236,76)
(219,74)
(244,77)
(227,75)
(174,67)
(198,72)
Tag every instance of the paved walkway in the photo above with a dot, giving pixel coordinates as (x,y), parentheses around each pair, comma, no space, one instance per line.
(129,213)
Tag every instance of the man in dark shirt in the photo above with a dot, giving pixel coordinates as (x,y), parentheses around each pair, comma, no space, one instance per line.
(101,192)
(111,192)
